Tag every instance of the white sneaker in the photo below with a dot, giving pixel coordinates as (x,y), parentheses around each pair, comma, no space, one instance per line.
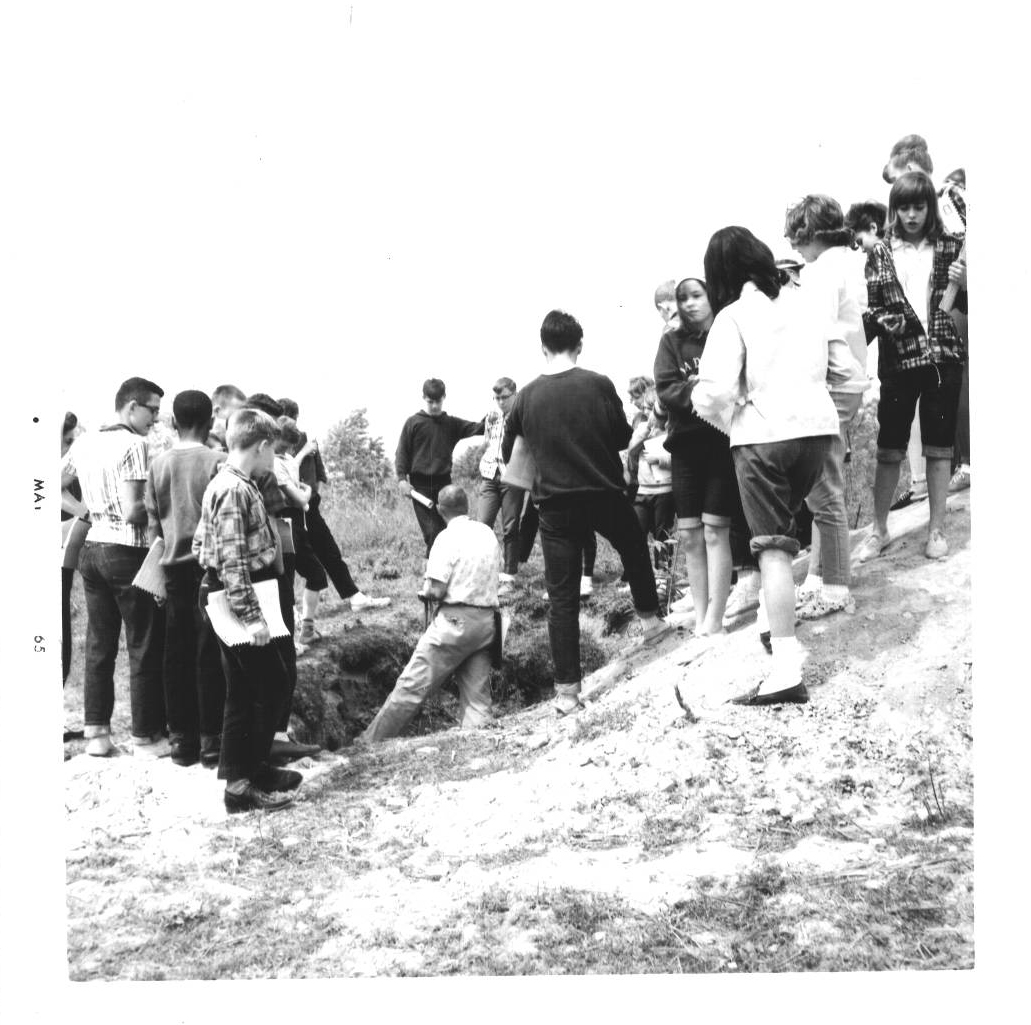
(360,601)
(586,587)
(153,747)
(681,605)
(741,600)
(654,630)
(960,480)
(505,587)
(99,744)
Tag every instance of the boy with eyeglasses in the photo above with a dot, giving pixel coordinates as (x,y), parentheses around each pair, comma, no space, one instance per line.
(111,467)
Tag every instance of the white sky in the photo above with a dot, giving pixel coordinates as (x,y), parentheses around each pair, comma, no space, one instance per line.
(335,202)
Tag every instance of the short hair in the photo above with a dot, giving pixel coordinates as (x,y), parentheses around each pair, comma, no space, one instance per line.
(667,290)
(816,218)
(288,431)
(684,281)
(135,389)
(959,176)
(639,385)
(433,388)
(915,187)
(561,332)
(227,391)
(71,421)
(734,255)
(910,149)
(290,408)
(454,499)
(861,215)
(267,404)
(191,409)
(503,384)
(249,426)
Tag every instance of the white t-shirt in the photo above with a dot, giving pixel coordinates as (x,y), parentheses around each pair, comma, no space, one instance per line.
(914,264)
(466,557)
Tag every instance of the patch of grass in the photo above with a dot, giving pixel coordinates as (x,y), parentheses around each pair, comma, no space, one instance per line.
(595,723)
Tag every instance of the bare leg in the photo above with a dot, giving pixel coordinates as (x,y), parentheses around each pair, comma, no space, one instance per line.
(938,474)
(697,571)
(778,592)
(718,572)
(886,481)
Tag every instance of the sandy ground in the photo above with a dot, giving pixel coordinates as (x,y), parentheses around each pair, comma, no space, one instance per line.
(629,799)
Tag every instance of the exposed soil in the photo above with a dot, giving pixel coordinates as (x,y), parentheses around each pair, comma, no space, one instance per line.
(632,837)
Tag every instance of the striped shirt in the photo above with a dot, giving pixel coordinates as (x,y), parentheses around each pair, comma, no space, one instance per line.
(235,538)
(102,461)
(494,428)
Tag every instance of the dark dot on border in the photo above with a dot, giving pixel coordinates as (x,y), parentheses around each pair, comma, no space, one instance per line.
(35,419)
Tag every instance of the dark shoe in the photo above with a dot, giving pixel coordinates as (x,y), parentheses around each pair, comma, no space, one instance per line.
(797,695)
(269,778)
(253,799)
(184,753)
(209,759)
(73,735)
(764,640)
(291,751)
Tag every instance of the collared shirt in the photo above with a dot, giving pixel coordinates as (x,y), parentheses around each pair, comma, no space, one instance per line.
(103,461)
(913,265)
(466,557)
(235,538)
(494,428)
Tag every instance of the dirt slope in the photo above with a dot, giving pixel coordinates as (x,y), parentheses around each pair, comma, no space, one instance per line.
(628,838)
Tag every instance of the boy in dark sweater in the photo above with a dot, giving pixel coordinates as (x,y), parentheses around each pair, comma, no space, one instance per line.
(572,422)
(423,458)
(195,689)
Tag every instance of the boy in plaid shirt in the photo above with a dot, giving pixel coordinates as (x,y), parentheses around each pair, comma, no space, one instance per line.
(237,544)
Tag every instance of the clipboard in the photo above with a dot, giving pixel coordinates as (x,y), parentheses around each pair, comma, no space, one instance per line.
(230,630)
(151,577)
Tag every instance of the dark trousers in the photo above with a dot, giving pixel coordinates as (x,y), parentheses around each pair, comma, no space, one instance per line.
(566,523)
(656,515)
(111,601)
(195,686)
(430,521)
(528,524)
(256,688)
(67,575)
(289,652)
(307,564)
(326,549)
(496,496)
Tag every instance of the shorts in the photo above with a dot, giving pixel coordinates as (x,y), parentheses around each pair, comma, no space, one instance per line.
(774,480)
(704,484)
(937,387)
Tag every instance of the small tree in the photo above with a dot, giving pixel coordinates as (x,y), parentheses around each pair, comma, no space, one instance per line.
(353,457)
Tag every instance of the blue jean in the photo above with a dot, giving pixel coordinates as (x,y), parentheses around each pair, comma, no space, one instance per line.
(256,690)
(565,525)
(195,686)
(107,574)
(827,500)
(431,523)
(495,496)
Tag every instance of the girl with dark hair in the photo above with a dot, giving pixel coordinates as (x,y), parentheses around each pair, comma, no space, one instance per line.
(762,379)
(71,509)
(704,485)
(833,273)
(922,355)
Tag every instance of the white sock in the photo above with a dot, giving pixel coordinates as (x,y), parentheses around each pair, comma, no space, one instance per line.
(237,786)
(281,735)
(812,582)
(359,596)
(836,593)
(788,656)
(505,578)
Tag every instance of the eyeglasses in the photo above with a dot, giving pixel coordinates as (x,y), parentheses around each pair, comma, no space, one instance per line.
(501,398)
(154,410)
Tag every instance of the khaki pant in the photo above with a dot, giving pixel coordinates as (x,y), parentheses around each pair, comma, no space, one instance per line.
(457,644)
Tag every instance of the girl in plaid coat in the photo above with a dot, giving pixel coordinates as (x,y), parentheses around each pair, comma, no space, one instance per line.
(921,353)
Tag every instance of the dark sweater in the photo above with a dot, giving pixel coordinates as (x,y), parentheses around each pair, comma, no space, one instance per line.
(678,355)
(574,427)
(426,443)
(175,486)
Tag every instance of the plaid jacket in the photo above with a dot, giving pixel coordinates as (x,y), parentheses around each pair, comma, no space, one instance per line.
(235,538)
(912,347)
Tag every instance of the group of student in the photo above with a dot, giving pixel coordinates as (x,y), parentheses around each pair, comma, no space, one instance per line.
(759,372)
(234,502)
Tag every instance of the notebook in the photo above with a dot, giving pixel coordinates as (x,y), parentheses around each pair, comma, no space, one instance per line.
(230,630)
(151,577)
